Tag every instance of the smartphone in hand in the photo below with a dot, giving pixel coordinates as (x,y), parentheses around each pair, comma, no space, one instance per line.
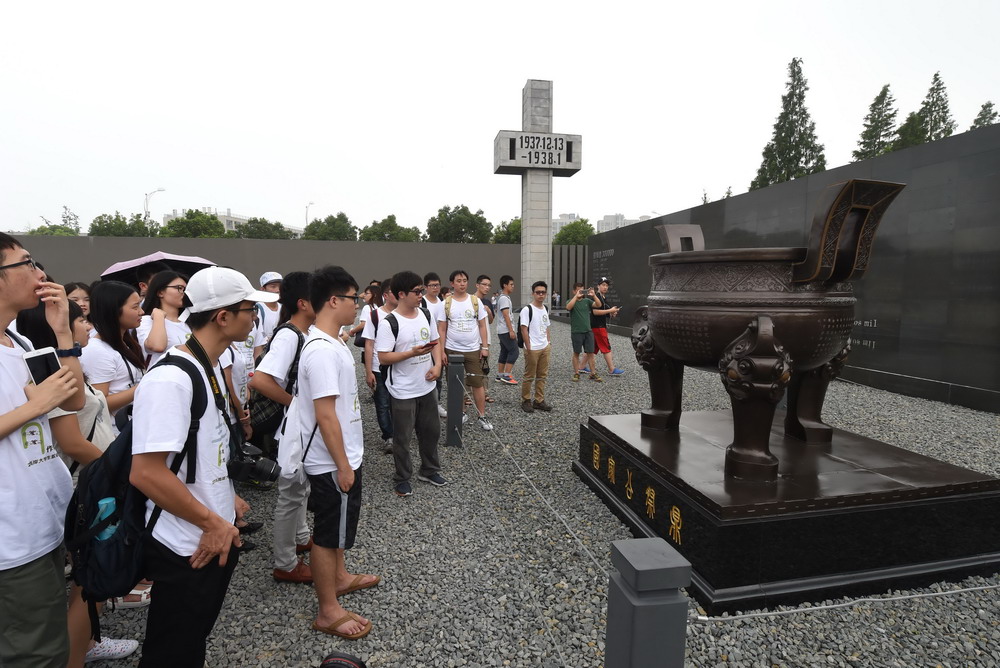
(41,363)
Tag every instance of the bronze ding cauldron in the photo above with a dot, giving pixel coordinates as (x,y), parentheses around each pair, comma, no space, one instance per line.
(768,318)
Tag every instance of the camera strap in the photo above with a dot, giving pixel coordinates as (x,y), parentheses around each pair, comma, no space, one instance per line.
(198,352)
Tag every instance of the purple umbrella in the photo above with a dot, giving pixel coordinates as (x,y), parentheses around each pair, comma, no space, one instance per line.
(125,271)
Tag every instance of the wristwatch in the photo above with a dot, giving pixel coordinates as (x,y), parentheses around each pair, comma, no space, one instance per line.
(75,351)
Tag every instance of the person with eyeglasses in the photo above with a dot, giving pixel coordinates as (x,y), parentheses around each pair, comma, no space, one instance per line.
(534,323)
(35,484)
(160,329)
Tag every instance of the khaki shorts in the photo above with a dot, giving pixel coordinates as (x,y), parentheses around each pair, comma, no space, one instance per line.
(472,366)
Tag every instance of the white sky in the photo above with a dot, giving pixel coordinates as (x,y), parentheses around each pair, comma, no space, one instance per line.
(392,107)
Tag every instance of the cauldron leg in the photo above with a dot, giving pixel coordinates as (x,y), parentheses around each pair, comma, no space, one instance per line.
(755,370)
(665,388)
(806,393)
(666,376)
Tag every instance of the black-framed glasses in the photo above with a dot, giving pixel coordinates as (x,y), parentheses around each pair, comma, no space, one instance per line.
(178,288)
(239,310)
(29,261)
(355,298)
(418,291)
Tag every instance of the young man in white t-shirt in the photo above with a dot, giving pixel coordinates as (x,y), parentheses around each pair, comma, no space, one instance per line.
(331,415)
(277,371)
(433,303)
(537,348)
(506,332)
(268,312)
(34,482)
(189,553)
(463,331)
(374,377)
(414,361)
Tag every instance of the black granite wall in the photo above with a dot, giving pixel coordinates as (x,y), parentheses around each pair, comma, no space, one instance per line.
(928,314)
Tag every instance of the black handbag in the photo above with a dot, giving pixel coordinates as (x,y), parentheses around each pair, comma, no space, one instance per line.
(266,413)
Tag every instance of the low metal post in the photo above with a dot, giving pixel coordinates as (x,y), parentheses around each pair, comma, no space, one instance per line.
(456,400)
(647,612)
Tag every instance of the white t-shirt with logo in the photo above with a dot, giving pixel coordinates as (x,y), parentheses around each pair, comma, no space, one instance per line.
(177,335)
(254,339)
(160,421)
(463,325)
(538,328)
(278,361)
(93,416)
(103,364)
(233,358)
(407,378)
(504,303)
(268,320)
(326,369)
(369,333)
(35,485)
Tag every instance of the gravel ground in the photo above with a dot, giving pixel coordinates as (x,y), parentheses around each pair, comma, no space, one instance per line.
(484,572)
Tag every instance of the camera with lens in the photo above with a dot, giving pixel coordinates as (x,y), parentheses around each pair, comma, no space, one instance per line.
(246,464)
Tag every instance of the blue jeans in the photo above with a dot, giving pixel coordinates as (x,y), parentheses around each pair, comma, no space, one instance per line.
(383,408)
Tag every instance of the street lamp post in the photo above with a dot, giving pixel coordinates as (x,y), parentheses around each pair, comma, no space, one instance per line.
(307,212)
(145,206)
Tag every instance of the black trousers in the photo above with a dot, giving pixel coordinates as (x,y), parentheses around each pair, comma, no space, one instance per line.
(185,604)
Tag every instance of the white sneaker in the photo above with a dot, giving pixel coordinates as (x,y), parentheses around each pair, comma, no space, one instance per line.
(110,648)
(485,424)
(465,418)
(442,412)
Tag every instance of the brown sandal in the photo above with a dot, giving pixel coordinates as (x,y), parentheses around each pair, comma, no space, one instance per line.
(332,628)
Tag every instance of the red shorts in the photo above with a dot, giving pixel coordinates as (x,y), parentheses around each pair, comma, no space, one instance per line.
(601,340)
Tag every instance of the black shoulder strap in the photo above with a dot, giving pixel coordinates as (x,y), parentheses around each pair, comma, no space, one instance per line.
(393,326)
(199,403)
(293,369)
(375,320)
(427,314)
(17,339)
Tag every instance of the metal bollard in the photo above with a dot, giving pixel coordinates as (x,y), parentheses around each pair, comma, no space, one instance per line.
(647,613)
(456,400)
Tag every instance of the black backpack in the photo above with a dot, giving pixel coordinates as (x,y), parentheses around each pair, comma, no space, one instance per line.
(394,328)
(520,337)
(106,543)
(266,413)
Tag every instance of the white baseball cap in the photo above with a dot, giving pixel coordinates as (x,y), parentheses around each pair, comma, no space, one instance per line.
(269,277)
(218,287)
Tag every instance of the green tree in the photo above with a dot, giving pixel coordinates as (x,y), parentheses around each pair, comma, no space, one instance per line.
(70,220)
(331,228)
(729,192)
(261,228)
(388,229)
(508,232)
(934,111)
(879,130)
(911,133)
(50,230)
(459,225)
(793,150)
(577,233)
(195,224)
(987,116)
(704,196)
(117,225)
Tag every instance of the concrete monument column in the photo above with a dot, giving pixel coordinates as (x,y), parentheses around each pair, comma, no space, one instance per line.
(537,155)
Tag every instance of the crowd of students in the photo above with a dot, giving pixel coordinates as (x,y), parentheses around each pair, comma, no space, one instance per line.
(288,339)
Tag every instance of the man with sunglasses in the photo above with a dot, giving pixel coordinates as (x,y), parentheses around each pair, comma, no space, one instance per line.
(34,483)
(189,551)
(534,323)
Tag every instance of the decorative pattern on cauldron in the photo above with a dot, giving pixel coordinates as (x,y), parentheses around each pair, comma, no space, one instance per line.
(783,312)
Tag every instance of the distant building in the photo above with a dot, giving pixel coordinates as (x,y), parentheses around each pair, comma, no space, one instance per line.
(615,221)
(229,219)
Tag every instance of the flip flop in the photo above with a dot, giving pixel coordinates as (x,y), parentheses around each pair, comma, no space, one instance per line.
(357,584)
(332,628)
(490,400)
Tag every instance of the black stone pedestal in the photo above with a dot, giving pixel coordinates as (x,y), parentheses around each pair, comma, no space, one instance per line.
(849,517)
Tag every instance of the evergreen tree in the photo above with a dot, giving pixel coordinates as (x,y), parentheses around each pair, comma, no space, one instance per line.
(331,228)
(195,224)
(879,130)
(388,229)
(459,226)
(508,232)
(934,111)
(106,225)
(911,133)
(577,233)
(793,150)
(987,116)
(261,228)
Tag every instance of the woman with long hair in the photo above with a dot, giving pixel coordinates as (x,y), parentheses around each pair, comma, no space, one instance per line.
(113,362)
(161,328)
(80,438)
(80,293)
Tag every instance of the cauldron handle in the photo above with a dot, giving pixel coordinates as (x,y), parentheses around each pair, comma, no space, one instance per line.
(843,230)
